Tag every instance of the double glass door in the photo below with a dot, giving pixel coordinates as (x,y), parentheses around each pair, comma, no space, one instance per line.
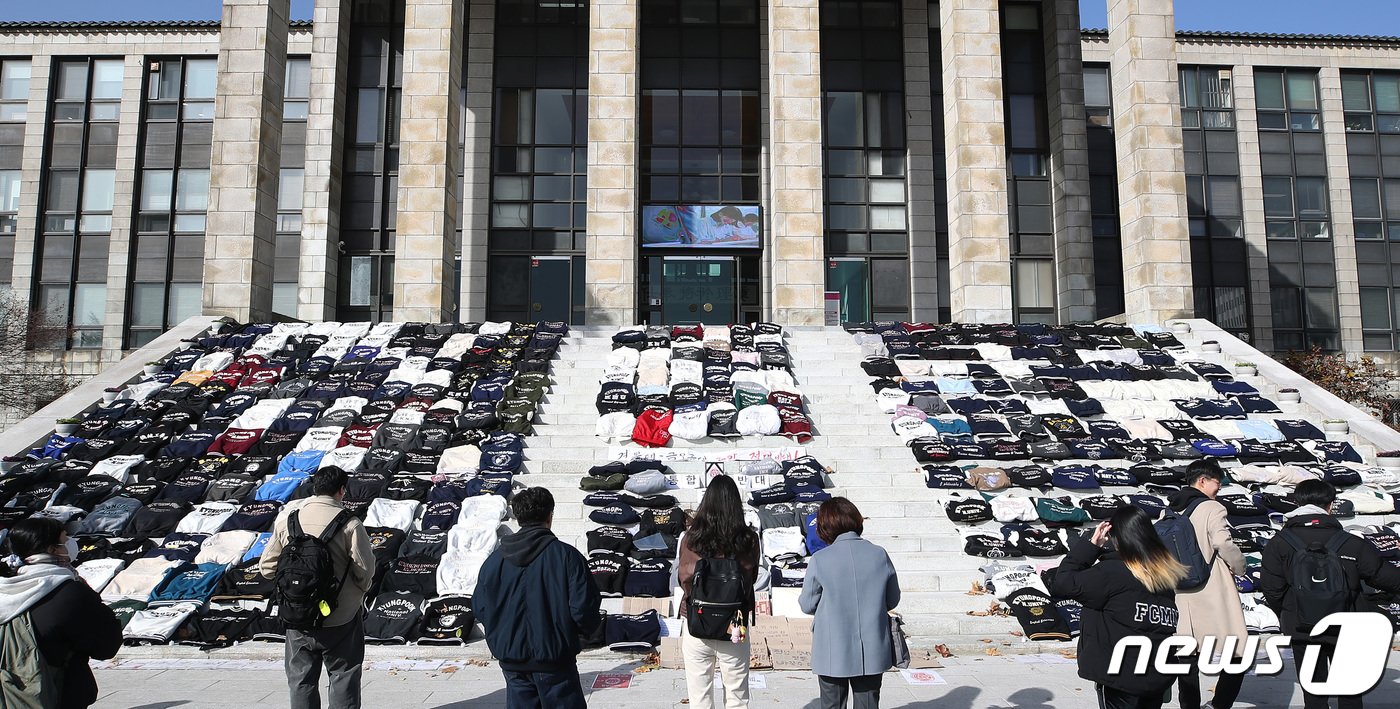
(699,290)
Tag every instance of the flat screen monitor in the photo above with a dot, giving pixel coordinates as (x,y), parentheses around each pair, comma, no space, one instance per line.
(702,226)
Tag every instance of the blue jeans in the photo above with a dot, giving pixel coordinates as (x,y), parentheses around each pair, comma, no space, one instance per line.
(544,690)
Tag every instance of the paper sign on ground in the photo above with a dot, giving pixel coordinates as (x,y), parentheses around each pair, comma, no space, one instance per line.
(756,681)
(922,677)
(612,681)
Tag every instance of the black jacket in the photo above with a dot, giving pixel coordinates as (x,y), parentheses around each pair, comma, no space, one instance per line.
(72,621)
(1116,605)
(1359,558)
(535,597)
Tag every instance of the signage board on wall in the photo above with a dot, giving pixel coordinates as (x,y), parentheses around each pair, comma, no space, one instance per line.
(833,308)
(702,226)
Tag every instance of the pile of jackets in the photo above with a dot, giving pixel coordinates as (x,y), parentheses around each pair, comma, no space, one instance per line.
(697,382)
(172,488)
(1031,433)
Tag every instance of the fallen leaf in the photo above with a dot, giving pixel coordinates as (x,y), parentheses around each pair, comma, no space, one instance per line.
(986,640)
(1069,654)
(1018,634)
(942,651)
(977,589)
(478,663)
(449,669)
(993,652)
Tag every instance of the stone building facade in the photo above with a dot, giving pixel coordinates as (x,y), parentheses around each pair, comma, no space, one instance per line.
(621,161)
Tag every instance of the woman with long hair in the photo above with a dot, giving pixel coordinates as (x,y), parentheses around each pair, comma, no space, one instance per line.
(718,534)
(1126,579)
(68,620)
(850,589)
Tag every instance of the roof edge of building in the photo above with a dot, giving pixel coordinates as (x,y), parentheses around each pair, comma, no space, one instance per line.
(1099,32)
(63,25)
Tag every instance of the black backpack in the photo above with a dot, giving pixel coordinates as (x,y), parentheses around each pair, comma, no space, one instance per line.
(720,597)
(305,586)
(1317,579)
(1179,536)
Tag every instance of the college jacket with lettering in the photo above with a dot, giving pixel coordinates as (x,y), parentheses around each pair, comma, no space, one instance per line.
(1116,605)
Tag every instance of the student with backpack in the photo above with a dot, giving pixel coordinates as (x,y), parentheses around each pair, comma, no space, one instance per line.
(51,623)
(1208,607)
(322,564)
(1126,579)
(850,588)
(1313,568)
(718,568)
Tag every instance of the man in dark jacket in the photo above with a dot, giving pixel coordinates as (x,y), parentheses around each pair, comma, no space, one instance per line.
(1313,525)
(535,597)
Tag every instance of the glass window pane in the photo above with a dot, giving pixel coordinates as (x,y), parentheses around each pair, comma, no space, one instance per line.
(298,81)
(107,79)
(844,127)
(63,191)
(1035,283)
(186,301)
(1356,92)
(290,184)
(14,79)
(1302,91)
(1375,308)
(1312,197)
(72,81)
(1387,93)
(1268,89)
(361,272)
(369,115)
(192,194)
(284,298)
(887,191)
(9,190)
(201,78)
(1278,197)
(1365,198)
(167,82)
(1096,87)
(89,304)
(887,218)
(554,116)
(1190,88)
(97,190)
(147,305)
(1286,307)
(1322,308)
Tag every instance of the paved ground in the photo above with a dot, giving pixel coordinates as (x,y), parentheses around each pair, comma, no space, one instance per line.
(1023,682)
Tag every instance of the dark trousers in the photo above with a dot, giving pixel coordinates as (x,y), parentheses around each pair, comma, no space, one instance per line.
(544,690)
(1227,689)
(1110,698)
(836,691)
(1324,663)
(341,649)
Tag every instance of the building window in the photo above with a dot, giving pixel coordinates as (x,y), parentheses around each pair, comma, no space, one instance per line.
(1030,198)
(291,187)
(14,103)
(1207,98)
(79,182)
(167,264)
(1288,99)
(1098,96)
(1372,103)
(1103,191)
(296,89)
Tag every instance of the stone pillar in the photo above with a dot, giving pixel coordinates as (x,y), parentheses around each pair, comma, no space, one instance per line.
(325,154)
(1151,166)
(919,188)
(245,160)
(1252,201)
(430,149)
(1334,135)
(797,201)
(613,67)
(123,199)
(476,144)
(1069,163)
(32,163)
(979,228)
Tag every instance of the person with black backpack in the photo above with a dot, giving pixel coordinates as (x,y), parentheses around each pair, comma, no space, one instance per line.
(718,568)
(1209,606)
(51,623)
(322,564)
(1313,568)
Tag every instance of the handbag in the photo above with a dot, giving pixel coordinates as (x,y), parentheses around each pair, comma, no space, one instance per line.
(899,642)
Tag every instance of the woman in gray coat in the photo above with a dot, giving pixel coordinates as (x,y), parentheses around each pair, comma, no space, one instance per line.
(851,588)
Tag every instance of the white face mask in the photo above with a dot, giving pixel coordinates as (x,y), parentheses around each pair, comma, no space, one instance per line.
(70,548)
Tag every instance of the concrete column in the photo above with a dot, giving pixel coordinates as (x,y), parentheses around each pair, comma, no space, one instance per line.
(32,163)
(1334,137)
(476,144)
(124,197)
(918,111)
(979,228)
(1151,166)
(245,161)
(1252,201)
(797,201)
(613,67)
(1069,162)
(430,151)
(325,153)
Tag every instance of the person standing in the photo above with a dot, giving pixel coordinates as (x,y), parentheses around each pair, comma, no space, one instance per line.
(1213,609)
(1311,534)
(535,597)
(1126,579)
(45,604)
(725,549)
(850,589)
(338,641)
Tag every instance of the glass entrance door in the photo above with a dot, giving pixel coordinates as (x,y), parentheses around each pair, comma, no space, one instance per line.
(549,289)
(698,290)
(851,278)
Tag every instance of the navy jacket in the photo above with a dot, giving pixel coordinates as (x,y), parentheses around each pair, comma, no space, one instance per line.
(535,597)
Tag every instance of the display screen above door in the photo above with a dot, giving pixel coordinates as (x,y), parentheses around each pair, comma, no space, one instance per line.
(694,226)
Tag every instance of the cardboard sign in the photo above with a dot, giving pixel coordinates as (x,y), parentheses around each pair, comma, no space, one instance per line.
(612,681)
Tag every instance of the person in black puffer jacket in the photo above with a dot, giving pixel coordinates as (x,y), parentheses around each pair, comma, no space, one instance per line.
(535,597)
(1126,580)
(71,625)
